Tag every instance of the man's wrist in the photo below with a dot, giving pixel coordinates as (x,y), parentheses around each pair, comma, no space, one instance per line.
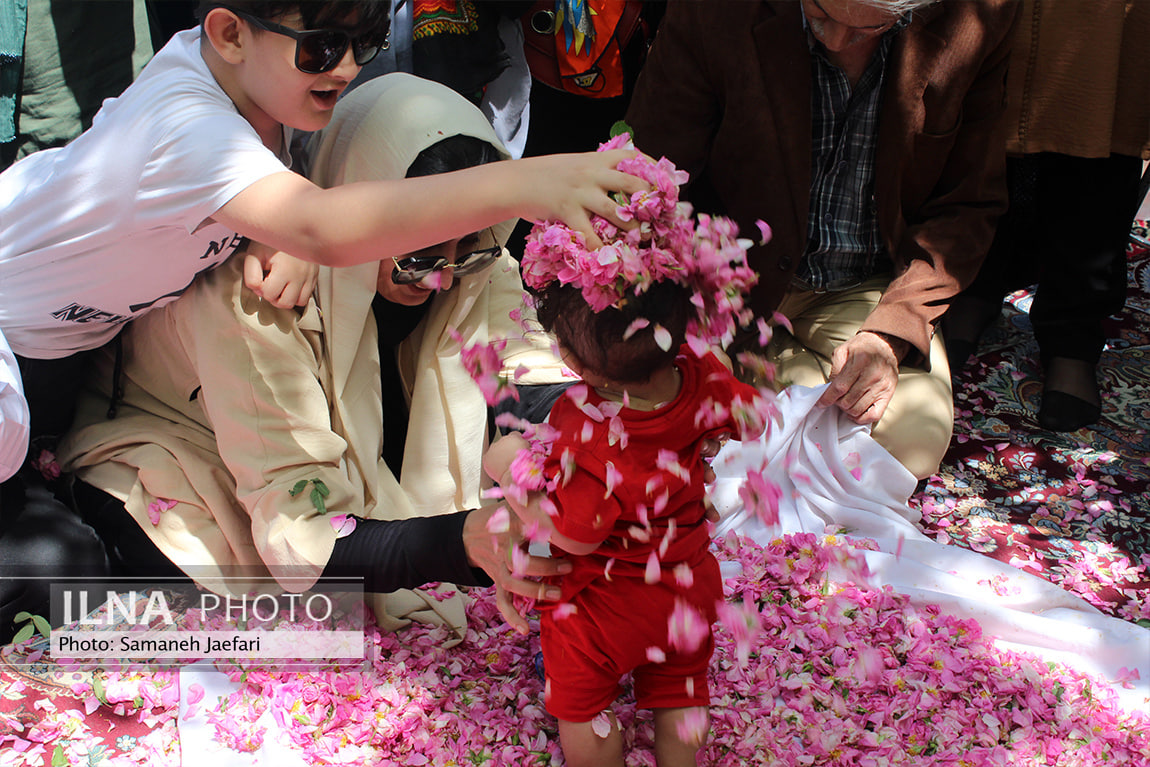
(897,345)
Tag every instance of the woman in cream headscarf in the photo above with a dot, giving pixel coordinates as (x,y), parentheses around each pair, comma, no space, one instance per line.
(228,404)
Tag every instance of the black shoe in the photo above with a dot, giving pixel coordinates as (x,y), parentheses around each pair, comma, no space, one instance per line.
(1065,412)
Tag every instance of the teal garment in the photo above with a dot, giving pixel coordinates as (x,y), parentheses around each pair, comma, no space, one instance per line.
(13,20)
(76,54)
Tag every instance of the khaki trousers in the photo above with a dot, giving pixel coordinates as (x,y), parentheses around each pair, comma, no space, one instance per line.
(918,422)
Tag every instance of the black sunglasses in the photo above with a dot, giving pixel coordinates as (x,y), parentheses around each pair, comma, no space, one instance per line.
(413,269)
(321,50)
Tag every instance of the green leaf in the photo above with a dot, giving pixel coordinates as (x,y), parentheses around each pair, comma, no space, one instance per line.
(621,126)
(321,487)
(98,689)
(24,633)
(298,488)
(1143,622)
(317,500)
(59,759)
(22,616)
(42,626)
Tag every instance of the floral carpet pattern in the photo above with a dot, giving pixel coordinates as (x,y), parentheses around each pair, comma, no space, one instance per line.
(808,670)
(1073,508)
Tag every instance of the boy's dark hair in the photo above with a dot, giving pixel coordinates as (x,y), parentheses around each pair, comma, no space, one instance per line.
(596,338)
(453,153)
(373,15)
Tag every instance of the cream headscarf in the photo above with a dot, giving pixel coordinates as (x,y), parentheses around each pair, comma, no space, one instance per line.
(376,133)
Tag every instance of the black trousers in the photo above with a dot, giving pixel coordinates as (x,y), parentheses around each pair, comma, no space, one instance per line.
(41,537)
(1066,230)
(41,540)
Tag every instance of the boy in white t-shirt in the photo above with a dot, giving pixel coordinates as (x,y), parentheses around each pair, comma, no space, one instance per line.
(192,159)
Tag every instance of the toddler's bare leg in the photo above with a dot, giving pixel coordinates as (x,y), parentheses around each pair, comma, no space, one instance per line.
(679,734)
(583,748)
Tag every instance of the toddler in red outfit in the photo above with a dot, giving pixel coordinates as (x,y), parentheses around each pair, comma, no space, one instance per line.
(626,470)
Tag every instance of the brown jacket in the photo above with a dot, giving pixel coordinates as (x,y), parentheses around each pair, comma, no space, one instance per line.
(725,94)
(1079,80)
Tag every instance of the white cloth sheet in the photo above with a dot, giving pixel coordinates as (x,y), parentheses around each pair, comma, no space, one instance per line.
(808,453)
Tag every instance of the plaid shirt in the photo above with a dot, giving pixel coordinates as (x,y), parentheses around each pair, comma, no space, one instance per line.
(843,243)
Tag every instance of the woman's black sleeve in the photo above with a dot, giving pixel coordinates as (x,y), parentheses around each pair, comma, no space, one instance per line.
(405,553)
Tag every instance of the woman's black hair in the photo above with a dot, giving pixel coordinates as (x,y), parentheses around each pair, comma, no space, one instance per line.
(596,338)
(371,15)
(453,153)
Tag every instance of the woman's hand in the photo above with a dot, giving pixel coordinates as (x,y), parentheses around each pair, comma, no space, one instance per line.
(282,280)
(503,556)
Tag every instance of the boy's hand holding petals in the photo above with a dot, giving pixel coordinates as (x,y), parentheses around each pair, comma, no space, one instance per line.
(571,187)
(864,374)
(283,281)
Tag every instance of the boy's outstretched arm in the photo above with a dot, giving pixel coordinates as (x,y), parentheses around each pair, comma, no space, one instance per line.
(371,220)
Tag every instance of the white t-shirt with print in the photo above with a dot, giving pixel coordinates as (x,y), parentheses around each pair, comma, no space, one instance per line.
(99,231)
(15,422)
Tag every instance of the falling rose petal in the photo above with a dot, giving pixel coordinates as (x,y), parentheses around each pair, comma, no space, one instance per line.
(765,233)
(601,724)
(781,319)
(766,332)
(663,337)
(640,534)
(195,693)
(588,432)
(614,478)
(761,497)
(898,546)
(744,622)
(607,569)
(519,560)
(635,327)
(190,713)
(565,610)
(668,538)
(343,524)
(577,394)
(653,573)
(616,433)
(499,521)
(684,575)
(668,461)
(656,655)
(592,412)
(91,703)
(686,627)
(693,726)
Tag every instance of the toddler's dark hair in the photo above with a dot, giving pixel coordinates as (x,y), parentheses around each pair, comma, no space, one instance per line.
(373,15)
(596,338)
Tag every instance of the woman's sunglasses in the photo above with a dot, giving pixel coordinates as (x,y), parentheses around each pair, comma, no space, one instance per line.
(321,50)
(413,269)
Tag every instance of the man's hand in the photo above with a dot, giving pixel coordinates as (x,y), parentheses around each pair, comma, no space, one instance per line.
(864,374)
(282,280)
(503,556)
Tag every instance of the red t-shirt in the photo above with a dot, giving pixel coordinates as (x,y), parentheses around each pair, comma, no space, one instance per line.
(660,475)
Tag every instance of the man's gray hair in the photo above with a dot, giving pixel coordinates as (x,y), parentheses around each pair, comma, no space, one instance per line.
(897,7)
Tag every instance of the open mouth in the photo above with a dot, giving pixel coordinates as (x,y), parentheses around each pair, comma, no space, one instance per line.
(326,98)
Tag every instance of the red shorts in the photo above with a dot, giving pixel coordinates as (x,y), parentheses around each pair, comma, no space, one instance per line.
(587,654)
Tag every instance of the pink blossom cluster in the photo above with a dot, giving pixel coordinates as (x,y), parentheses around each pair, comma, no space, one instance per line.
(702,253)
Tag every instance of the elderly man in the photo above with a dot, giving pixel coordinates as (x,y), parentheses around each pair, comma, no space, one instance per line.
(868,134)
